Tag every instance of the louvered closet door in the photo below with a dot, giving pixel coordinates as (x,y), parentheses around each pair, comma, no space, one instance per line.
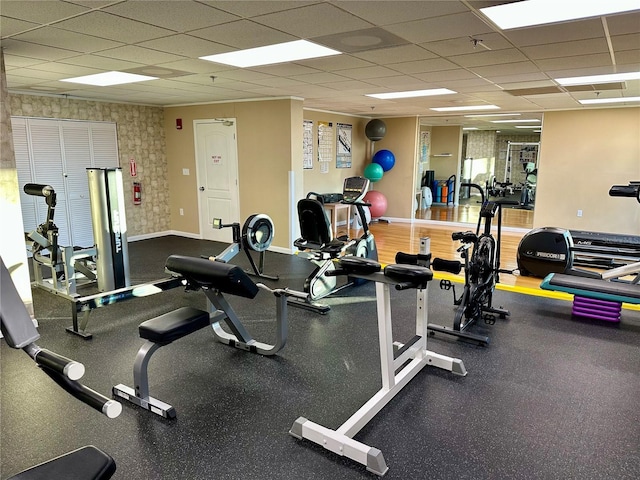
(77,158)
(23,165)
(47,168)
(57,153)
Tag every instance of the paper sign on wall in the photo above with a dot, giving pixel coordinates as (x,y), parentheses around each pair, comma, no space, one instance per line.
(217,159)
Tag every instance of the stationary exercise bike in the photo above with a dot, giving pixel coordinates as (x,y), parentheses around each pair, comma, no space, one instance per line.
(318,245)
(257,235)
(481,272)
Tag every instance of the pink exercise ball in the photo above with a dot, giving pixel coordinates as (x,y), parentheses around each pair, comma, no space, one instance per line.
(378,203)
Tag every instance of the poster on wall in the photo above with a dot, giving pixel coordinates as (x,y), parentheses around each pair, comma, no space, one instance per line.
(325,145)
(343,145)
(307,144)
(424,147)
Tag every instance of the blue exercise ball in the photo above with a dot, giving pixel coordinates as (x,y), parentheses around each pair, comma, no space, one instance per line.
(373,172)
(385,158)
(375,130)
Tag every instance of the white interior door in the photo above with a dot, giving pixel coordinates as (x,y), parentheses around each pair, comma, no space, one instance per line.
(217,165)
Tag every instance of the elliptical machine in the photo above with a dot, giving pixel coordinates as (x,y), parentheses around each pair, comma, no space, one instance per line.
(318,245)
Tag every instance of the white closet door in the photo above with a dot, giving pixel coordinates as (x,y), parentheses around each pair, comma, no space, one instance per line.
(46,149)
(23,166)
(77,158)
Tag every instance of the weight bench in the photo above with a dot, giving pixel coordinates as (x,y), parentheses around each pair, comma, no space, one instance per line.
(593,297)
(86,463)
(215,279)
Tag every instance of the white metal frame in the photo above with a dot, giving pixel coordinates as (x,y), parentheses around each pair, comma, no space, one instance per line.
(393,356)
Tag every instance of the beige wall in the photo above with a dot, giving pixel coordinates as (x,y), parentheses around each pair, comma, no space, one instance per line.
(332,181)
(582,154)
(446,140)
(398,184)
(140,132)
(266,155)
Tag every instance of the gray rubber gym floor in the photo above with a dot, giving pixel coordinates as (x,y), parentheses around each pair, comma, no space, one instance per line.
(551,397)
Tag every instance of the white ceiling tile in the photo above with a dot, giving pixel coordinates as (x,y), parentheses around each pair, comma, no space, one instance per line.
(185,45)
(335,63)
(101,63)
(38,11)
(423,66)
(626,42)
(11,26)
(556,33)
(404,53)
(623,23)
(578,61)
(56,37)
(41,52)
(65,70)
(196,66)
(386,13)
(16,61)
(133,53)
(349,85)
(280,82)
(485,57)
(368,72)
(116,28)
(177,16)
(629,58)
(285,69)
(440,28)
(494,71)
(320,77)
(249,8)
(313,21)
(463,45)
(244,75)
(445,75)
(243,34)
(401,82)
(566,49)
(529,77)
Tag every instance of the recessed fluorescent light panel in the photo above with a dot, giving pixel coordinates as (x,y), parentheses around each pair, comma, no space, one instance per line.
(469,107)
(516,121)
(411,94)
(470,128)
(613,77)
(540,12)
(527,126)
(109,78)
(479,115)
(609,100)
(270,54)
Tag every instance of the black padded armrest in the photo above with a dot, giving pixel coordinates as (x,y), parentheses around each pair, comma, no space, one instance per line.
(359,265)
(86,463)
(415,275)
(220,276)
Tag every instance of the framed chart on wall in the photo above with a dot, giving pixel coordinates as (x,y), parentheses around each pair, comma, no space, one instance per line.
(307,144)
(325,145)
(343,145)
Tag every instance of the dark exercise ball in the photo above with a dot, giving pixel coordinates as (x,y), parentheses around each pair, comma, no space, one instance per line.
(375,130)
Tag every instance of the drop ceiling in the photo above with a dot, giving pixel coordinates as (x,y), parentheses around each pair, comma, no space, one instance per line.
(388,45)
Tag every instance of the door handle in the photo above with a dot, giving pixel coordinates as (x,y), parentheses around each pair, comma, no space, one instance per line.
(201,189)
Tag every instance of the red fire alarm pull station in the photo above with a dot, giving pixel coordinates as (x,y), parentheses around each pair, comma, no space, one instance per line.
(133,168)
(178,124)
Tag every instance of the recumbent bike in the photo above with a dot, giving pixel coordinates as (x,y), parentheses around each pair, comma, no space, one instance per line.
(318,245)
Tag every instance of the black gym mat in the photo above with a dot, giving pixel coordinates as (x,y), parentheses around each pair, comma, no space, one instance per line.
(550,397)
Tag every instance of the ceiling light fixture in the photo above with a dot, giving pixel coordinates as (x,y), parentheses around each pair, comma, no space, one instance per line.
(468,107)
(520,120)
(480,115)
(469,128)
(270,54)
(106,79)
(411,94)
(589,79)
(527,126)
(609,100)
(540,12)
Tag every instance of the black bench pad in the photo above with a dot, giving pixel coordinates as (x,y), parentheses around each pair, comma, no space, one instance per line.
(173,325)
(361,265)
(86,463)
(409,273)
(202,272)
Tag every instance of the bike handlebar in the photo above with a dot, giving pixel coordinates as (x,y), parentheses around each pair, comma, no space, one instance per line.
(477,187)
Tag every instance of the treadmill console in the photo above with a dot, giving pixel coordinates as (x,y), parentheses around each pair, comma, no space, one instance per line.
(355,188)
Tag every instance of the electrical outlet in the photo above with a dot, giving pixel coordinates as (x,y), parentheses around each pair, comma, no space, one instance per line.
(181,211)
(185,171)
(579,213)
